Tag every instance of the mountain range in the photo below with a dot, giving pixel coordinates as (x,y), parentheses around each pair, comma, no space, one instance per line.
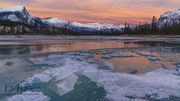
(18,15)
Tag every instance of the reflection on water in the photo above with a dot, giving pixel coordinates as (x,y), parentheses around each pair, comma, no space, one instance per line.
(59,46)
(18,54)
(140,63)
(35,47)
(16,57)
(82,45)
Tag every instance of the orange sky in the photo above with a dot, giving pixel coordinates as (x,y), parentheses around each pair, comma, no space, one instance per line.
(103,11)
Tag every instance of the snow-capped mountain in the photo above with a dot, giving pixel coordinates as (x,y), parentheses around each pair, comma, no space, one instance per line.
(96,26)
(19,14)
(77,26)
(169,17)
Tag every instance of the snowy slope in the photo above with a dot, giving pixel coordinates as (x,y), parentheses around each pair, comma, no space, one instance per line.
(77,26)
(169,17)
(96,26)
(19,14)
(55,22)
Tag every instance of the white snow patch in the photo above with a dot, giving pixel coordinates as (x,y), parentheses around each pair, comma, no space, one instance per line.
(13,17)
(55,22)
(29,96)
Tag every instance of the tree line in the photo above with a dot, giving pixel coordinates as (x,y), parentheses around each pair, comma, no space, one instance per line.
(154,28)
(17,28)
(8,27)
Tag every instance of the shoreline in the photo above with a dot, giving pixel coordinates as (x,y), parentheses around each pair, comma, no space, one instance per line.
(56,37)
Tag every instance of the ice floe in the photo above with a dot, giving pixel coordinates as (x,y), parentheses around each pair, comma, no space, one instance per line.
(153,58)
(158,84)
(116,55)
(64,76)
(66,85)
(131,71)
(29,96)
(104,65)
(146,54)
(178,67)
(52,60)
(149,55)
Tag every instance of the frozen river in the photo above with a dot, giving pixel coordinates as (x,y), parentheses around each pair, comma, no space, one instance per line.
(89,69)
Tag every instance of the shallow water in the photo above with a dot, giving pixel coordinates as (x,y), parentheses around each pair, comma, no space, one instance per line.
(20,60)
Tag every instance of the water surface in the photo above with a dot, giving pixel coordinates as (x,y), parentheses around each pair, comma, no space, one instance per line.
(18,58)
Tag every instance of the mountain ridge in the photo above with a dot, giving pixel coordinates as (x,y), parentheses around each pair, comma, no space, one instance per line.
(169,17)
(20,14)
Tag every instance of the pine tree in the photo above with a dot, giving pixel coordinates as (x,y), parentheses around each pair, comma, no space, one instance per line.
(154,25)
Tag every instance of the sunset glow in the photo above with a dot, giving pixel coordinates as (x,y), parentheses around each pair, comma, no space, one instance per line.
(103,11)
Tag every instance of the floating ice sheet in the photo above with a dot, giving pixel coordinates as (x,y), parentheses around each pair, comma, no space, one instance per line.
(146,53)
(116,55)
(66,85)
(158,84)
(64,76)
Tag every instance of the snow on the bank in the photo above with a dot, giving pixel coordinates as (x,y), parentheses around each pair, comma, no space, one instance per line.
(29,96)
(157,84)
